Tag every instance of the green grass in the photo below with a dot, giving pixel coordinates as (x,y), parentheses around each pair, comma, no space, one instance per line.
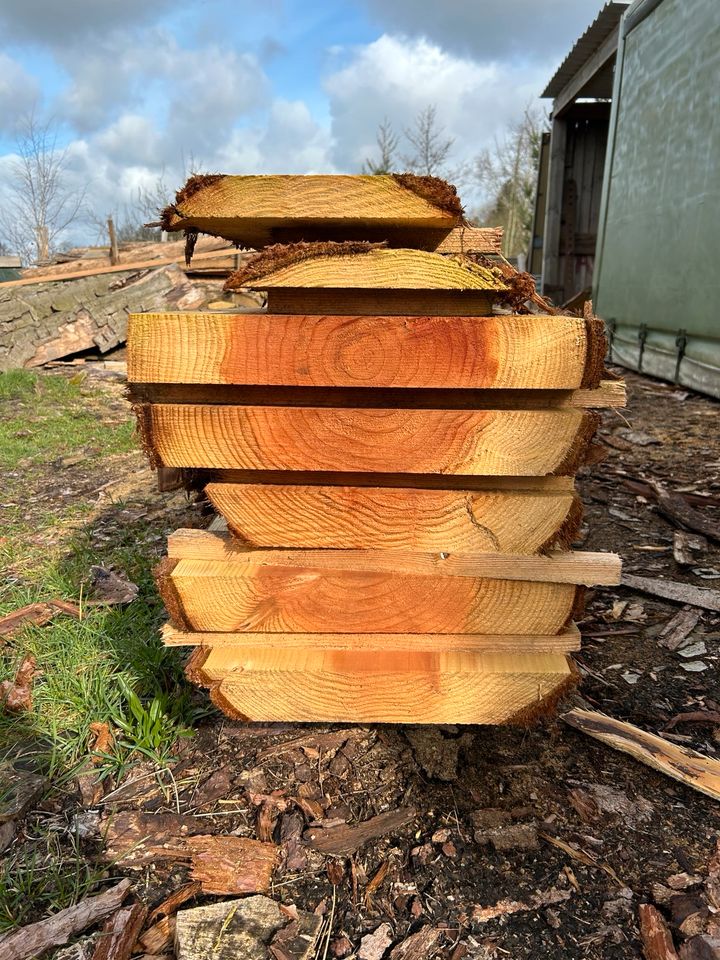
(110,666)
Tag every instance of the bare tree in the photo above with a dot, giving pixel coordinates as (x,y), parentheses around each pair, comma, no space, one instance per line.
(387,141)
(39,203)
(507,174)
(431,149)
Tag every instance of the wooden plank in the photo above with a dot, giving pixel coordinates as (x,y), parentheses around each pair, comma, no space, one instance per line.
(591,569)
(257,210)
(610,393)
(131,267)
(438,303)
(567,641)
(501,352)
(346,517)
(330,686)
(505,443)
(376,269)
(472,240)
(218,596)
(681,763)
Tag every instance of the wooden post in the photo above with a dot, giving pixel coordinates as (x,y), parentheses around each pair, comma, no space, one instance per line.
(114,252)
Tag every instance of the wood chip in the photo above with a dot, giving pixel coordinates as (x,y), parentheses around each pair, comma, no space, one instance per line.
(170,904)
(677,629)
(683,764)
(418,946)
(37,614)
(54,931)
(158,938)
(373,945)
(16,695)
(345,839)
(231,865)
(108,587)
(657,940)
(504,908)
(582,856)
(120,932)
(134,839)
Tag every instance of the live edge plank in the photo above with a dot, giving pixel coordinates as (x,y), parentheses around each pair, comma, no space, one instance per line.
(480,442)
(353,517)
(235,560)
(390,687)
(212,596)
(566,641)
(500,352)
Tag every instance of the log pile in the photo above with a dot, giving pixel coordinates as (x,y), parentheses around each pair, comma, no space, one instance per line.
(390,448)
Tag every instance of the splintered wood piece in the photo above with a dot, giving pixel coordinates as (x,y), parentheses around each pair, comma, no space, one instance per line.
(257,210)
(229,865)
(567,641)
(344,839)
(120,933)
(376,269)
(214,595)
(590,569)
(337,686)
(487,442)
(688,766)
(454,521)
(31,941)
(502,352)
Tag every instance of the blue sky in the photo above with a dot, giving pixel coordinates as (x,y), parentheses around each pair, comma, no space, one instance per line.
(138,87)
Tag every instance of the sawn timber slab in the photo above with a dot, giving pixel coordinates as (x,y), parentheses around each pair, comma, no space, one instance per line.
(372,687)
(566,641)
(486,442)
(351,517)
(257,210)
(580,567)
(499,352)
(217,595)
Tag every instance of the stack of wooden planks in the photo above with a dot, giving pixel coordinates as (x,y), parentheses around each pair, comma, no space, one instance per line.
(391,454)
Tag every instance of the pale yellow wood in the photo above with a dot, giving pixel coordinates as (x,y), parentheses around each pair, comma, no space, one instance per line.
(566,641)
(453,687)
(591,569)
(610,393)
(487,442)
(377,269)
(501,352)
(214,595)
(249,209)
(472,240)
(515,521)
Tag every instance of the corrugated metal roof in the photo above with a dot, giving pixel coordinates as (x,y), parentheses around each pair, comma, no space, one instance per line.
(596,33)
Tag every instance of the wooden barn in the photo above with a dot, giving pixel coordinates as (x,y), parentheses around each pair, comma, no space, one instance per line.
(628,194)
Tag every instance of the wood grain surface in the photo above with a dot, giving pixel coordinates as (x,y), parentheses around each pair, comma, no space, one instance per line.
(487,442)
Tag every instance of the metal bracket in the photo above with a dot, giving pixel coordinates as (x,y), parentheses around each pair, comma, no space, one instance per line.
(642,337)
(681,343)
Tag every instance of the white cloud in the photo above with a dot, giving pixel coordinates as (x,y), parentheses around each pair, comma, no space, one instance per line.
(18,92)
(397,77)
